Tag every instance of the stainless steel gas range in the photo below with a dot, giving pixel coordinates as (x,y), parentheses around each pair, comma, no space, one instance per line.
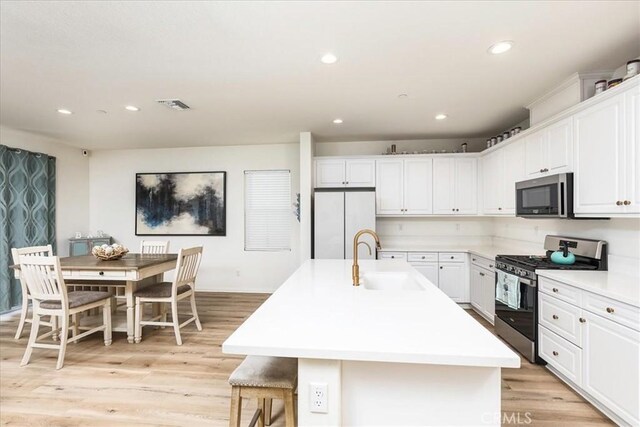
(516,319)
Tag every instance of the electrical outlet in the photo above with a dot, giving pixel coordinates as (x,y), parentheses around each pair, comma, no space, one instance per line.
(318,398)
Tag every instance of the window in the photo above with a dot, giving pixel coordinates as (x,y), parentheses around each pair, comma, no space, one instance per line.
(267,210)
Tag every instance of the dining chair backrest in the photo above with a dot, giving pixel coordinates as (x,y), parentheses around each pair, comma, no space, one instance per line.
(187,267)
(154,247)
(31,251)
(43,277)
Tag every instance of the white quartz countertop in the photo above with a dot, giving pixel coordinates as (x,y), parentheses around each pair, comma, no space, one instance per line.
(611,285)
(317,313)
(485,251)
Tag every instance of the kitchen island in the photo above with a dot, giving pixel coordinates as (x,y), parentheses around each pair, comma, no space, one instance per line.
(393,351)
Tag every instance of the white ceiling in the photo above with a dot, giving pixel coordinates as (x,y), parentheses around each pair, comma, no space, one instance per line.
(251,71)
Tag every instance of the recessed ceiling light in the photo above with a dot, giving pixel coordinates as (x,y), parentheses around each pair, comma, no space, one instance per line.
(337,121)
(131,108)
(500,47)
(441,116)
(328,58)
(64,111)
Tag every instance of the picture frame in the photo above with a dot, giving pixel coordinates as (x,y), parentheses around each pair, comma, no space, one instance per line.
(181,203)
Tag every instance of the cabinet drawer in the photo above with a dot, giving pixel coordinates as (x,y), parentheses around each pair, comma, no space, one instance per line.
(615,311)
(561,318)
(99,274)
(423,256)
(561,291)
(561,354)
(486,263)
(393,255)
(452,256)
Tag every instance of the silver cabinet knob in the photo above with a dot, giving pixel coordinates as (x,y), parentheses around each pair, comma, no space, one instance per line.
(610,310)
(627,202)
(555,317)
(555,290)
(555,353)
(582,320)
(619,203)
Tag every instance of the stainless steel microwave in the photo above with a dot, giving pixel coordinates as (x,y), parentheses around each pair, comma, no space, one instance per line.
(546,197)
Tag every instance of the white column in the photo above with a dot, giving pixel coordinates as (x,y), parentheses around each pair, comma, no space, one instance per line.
(306,193)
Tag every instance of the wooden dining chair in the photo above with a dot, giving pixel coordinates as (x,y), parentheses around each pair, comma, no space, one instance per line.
(26,297)
(154,247)
(50,298)
(183,286)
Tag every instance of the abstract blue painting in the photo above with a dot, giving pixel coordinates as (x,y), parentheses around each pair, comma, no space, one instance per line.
(181,204)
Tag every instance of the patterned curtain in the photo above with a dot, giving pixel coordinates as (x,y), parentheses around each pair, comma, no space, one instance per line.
(27,211)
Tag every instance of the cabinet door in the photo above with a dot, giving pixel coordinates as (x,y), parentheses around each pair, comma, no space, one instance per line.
(466,186)
(611,366)
(536,154)
(330,173)
(513,170)
(443,186)
(390,187)
(489,295)
(360,173)
(451,280)
(475,289)
(428,270)
(418,186)
(598,158)
(632,152)
(492,170)
(560,147)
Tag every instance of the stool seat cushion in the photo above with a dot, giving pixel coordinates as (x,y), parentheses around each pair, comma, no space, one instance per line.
(76,299)
(160,290)
(266,371)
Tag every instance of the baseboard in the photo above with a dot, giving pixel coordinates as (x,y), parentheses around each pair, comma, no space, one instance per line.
(235,290)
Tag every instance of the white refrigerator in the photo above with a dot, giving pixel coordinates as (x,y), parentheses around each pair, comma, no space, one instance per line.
(339,214)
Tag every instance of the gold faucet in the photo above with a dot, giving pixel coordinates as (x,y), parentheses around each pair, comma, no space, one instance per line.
(355,269)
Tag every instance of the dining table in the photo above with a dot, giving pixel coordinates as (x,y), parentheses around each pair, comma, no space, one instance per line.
(131,272)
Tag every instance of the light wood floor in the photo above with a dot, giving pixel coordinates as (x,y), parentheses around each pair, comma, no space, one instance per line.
(159,383)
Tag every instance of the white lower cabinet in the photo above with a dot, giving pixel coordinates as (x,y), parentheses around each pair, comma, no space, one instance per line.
(428,270)
(593,343)
(482,287)
(447,270)
(452,280)
(611,366)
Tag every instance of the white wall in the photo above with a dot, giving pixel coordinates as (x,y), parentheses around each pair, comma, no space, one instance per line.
(434,231)
(226,265)
(72,176)
(353,148)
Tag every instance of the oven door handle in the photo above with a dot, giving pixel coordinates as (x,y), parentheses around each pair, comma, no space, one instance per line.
(528,282)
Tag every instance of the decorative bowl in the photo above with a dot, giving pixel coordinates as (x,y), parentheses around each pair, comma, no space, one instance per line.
(109,252)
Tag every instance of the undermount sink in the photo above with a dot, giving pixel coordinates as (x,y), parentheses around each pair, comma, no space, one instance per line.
(390,281)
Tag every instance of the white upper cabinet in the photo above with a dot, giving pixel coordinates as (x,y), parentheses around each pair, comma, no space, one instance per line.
(345,173)
(443,186)
(418,186)
(632,153)
(501,170)
(404,186)
(466,186)
(455,186)
(360,173)
(549,150)
(513,171)
(599,181)
(390,188)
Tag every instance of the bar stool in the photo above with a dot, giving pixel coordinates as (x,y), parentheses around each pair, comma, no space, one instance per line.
(264,378)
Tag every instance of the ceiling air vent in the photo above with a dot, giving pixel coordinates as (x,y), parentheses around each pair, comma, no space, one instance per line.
(176,104)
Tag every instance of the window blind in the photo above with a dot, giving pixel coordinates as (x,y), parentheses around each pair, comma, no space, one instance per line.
(267,210)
